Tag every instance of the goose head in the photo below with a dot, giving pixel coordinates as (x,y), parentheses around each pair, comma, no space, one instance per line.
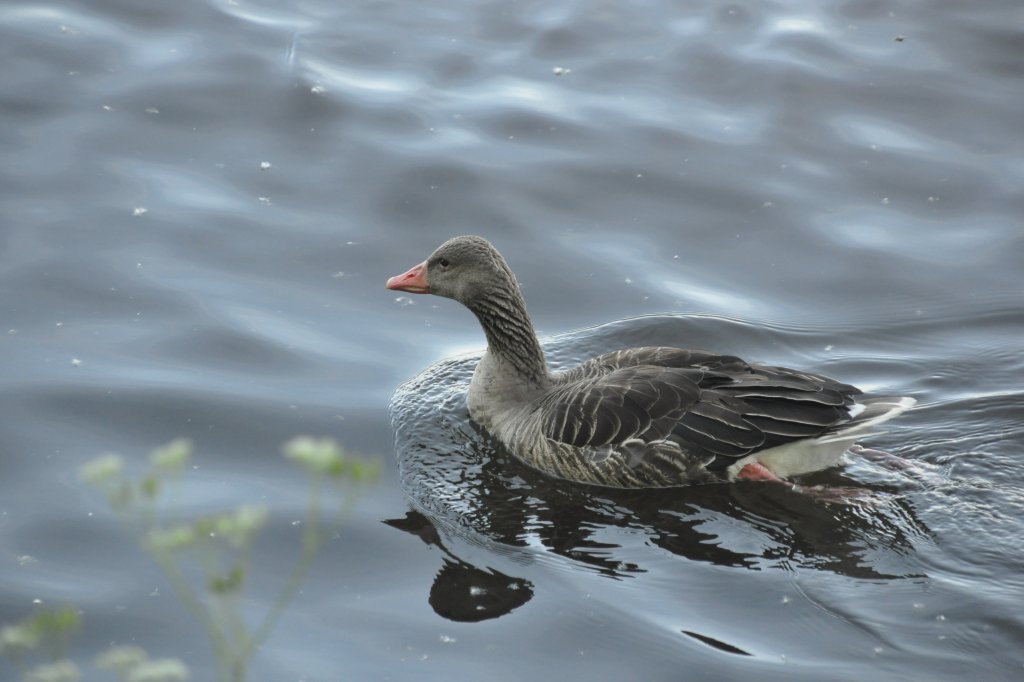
(466,269)
(471,271)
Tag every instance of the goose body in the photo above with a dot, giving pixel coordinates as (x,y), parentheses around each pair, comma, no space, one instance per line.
(639,417)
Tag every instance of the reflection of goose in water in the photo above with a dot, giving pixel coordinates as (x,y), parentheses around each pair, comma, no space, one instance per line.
(465,482)
(461,591)
(646,417)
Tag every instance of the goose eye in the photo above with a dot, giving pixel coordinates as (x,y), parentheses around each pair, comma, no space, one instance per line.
(443,262)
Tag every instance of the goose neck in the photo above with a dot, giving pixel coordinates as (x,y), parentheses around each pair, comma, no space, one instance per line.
(511,339)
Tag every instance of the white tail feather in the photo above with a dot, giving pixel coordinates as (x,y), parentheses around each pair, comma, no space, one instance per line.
(814,454)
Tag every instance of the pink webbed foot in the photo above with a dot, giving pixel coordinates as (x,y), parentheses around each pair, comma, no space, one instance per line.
(912,469)
(886,459)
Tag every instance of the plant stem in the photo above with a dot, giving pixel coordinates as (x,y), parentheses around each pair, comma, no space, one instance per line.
(310,548)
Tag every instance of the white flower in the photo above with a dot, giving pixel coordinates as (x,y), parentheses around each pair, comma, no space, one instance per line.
(159,670)
(121,658)
(61,671)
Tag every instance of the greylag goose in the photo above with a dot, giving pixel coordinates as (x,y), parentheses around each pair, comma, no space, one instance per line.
(641,417)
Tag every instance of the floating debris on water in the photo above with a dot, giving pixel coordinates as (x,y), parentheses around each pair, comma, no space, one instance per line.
(264,165)
(561,71)
(140,210)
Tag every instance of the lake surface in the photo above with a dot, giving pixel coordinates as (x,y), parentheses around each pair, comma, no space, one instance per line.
(201,202)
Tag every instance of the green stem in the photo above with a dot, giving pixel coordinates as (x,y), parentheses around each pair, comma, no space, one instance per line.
(310,548)
(193,603)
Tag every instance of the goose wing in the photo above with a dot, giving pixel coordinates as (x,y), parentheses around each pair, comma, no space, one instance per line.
(633,402)
(786,405)
(714,408)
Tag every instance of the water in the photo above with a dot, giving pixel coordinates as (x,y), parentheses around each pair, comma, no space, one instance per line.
(201,203)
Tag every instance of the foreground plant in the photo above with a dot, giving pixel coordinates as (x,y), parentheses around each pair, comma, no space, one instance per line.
(44,634)
(207,560)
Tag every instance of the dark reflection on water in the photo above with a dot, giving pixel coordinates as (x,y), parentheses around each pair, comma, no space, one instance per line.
(462,592)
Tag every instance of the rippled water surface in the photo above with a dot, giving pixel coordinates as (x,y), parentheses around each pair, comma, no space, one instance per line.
(200,204)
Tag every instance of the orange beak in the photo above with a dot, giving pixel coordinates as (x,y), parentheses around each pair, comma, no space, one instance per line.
(414,281)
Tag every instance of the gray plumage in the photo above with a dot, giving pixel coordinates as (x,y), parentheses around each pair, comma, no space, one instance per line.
(642,417)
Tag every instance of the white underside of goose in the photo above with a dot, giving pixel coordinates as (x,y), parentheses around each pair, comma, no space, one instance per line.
(814,454)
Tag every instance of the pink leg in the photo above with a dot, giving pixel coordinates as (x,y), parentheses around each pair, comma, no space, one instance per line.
(755,471)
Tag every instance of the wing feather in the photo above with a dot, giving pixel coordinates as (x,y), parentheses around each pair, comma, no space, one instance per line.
(688,406)
(626,403)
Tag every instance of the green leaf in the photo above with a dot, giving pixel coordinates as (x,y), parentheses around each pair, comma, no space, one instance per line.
(150,486)
(49,623)
(171,539)
(232,582)
(102,470)
(173,456)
